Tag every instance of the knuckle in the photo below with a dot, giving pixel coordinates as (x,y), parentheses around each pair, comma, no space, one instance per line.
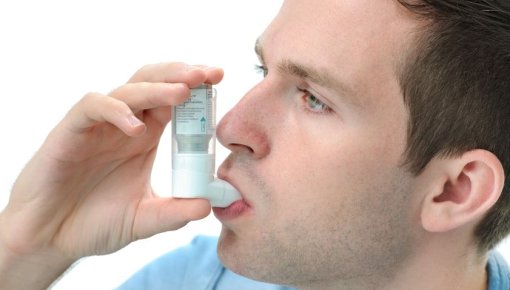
(174,65)
(140,73)
(170,94)
(166,65)
(144,68)
(91,97)
(149,69)
(89,100)
(99,102)
(182,90)
(120,108)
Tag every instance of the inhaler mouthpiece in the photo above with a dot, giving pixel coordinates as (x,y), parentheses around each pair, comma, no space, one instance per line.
(193,150)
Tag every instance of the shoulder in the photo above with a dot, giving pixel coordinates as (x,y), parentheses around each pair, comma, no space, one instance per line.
(498,272)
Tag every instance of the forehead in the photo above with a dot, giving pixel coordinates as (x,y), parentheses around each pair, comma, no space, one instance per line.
(357,41)
(369,25)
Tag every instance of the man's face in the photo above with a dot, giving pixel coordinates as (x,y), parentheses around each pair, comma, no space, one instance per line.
(317,148)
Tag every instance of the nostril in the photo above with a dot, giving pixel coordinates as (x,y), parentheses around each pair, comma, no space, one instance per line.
(241,147)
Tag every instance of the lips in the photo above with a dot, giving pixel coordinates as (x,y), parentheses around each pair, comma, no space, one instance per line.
(236,209)
(231,212)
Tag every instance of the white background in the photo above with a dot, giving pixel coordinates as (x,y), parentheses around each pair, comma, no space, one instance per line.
(53,52)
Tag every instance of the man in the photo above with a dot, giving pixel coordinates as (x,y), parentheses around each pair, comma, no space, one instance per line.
(373,155)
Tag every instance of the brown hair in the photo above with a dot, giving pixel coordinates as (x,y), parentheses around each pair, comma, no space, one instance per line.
(456,83)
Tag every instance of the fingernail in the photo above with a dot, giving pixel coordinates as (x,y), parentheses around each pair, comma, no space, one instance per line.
(134,121)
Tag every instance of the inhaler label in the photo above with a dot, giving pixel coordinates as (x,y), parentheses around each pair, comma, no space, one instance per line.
(195,116)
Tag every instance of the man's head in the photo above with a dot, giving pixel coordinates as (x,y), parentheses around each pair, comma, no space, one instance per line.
(323,150)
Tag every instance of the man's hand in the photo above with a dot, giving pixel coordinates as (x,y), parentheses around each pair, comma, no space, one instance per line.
(87,190)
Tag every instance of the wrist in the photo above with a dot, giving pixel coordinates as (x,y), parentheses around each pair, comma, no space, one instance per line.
(30,271)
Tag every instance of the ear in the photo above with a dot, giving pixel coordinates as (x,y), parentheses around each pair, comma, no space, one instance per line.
(466,189)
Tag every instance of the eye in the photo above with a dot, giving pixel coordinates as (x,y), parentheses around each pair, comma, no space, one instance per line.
(313,104)
(261,69)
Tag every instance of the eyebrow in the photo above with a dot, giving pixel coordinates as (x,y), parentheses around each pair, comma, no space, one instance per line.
(319,77)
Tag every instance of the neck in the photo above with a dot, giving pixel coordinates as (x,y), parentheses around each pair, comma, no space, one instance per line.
(433,266)
(442,267)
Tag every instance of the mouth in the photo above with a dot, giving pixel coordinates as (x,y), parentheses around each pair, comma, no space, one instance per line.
(236,209)
(231,212)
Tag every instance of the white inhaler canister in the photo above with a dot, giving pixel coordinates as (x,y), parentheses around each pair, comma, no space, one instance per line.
(193,150)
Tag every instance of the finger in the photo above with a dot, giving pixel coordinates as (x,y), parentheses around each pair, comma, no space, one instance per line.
(213,75)
(166,214)
(177,72)
(96,108)
(142,96)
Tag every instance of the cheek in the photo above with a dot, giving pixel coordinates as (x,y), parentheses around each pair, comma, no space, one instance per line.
(326,162)
(338,176)
(341,202)
(321,166)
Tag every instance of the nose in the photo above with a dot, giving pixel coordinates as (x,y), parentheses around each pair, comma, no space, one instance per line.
(244,129)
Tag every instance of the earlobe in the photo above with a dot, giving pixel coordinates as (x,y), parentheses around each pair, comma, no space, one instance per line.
(472,186)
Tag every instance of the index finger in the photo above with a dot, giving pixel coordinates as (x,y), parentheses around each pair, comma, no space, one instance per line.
(178,72)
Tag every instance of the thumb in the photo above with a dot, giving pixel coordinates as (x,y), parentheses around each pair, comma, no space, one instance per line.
(159,215)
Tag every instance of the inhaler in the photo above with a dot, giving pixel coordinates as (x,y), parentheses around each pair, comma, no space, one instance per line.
(193,150)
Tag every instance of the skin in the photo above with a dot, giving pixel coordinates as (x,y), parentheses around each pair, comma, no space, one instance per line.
(58,206)
(319,162)
(344,212)
(331,206)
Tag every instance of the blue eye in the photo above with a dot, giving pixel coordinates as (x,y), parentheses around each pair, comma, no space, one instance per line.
(314,105)
(261,69)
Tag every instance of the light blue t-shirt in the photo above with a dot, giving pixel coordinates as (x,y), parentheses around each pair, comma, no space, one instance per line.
(193,267)
(498,272)
(197,267)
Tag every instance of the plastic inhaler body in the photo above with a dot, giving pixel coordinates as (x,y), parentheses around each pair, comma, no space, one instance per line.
(193,150)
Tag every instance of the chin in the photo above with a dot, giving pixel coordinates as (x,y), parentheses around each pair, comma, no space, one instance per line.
(245,256)
(236,255)
(228,249)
